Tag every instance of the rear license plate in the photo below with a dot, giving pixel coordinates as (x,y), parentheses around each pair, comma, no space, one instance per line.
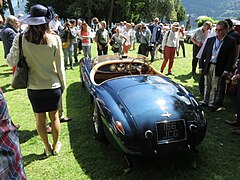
(171,131)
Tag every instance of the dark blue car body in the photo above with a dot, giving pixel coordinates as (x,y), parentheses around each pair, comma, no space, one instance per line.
(141,111)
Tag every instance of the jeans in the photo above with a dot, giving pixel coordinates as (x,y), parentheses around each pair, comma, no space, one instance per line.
(181,44)
(75,46)
(195,60)
(67,52)
(87,51)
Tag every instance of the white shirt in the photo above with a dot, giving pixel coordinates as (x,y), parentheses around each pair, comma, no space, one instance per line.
(128,35)
(55,25)
(170,39)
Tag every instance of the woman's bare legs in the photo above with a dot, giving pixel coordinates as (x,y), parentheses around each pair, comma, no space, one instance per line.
(41,129)
(55,124)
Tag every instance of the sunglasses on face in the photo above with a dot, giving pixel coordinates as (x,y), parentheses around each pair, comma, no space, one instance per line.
(219,30)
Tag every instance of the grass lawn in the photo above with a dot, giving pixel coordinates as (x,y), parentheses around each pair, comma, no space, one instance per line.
(82,157)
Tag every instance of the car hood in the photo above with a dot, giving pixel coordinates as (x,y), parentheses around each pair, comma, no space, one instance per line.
(150,97)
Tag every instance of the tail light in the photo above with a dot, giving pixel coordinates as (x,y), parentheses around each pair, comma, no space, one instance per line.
(120,127)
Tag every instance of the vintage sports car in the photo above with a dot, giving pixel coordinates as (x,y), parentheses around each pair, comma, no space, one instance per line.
(138,109)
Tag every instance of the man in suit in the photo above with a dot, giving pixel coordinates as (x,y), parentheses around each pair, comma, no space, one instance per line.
(216,61)
(222,83)
(156,36)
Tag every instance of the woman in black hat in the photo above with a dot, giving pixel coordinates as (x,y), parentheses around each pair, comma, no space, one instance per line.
(46,77)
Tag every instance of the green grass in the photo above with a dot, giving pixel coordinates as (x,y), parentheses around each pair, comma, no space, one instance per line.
(82,157)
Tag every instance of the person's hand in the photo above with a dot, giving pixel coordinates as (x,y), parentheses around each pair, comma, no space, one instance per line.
(200,71)
(225,73)
(235,77)
(235,65)
(199,44)
(100,46)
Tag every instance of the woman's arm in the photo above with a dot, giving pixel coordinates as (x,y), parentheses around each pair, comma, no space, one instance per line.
(60,63)
(13,56)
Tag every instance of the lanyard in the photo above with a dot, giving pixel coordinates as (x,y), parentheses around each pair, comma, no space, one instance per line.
(217,45)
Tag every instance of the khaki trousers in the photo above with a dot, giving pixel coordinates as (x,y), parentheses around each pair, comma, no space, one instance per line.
(210,83)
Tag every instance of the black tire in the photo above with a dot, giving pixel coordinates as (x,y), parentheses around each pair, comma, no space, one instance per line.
(98,124)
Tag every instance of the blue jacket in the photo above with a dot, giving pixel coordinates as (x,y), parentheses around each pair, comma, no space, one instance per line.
(159,34)
(7,35)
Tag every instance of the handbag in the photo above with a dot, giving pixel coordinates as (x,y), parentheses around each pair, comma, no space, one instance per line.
(150,47)
(65,44)
(20,76)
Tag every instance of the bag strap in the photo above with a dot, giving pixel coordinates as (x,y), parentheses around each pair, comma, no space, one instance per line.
(167,36)
(21,56)
(20,45)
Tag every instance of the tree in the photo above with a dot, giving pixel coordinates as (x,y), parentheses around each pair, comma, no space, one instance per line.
(204,19)
(116,10)
(10,7)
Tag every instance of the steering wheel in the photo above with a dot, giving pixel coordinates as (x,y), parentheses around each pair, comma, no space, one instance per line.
(139,66)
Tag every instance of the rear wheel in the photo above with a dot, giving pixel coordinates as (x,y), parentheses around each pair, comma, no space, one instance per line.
(98,124)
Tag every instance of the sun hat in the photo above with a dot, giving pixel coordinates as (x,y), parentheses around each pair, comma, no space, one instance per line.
(175,24)
(38,15)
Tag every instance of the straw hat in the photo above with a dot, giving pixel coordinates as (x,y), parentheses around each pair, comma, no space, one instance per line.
(176,25)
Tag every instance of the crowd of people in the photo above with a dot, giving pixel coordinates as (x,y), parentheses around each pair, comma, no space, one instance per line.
(215,48)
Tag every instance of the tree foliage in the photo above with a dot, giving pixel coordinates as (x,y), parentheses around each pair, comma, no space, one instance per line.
(117,10)
(204,19)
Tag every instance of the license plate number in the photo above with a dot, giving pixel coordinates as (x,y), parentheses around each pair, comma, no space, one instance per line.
(171,131)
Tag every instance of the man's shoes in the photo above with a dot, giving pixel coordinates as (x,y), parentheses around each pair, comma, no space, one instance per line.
(212,108)
(17,126)
(236,131)
(169,73)
(72,68)
(65,119)
(203,104)
(233,123)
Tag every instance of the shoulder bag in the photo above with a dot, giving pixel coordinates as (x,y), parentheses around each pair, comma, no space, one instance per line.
(20,76)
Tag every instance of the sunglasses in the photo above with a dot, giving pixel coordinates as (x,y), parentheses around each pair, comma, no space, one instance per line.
(219,30)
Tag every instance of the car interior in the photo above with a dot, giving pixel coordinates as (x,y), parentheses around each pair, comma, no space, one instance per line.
(117,68)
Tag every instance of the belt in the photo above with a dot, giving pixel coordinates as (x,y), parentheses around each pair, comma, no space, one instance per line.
(213,63)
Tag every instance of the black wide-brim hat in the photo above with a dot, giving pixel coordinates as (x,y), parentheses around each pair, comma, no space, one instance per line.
(38,15)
